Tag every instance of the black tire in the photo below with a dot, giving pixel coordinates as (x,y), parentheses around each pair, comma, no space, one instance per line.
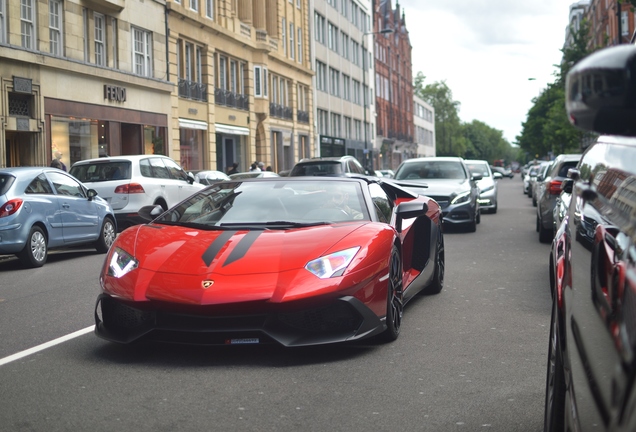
(554,413)
(35,250)
(440,267)
(494,209)
(106,236)
(534,201)
(395,300)
(478,216)
(472,225)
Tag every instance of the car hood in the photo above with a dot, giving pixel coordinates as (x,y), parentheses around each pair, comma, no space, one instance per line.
(175,263)
(443,187)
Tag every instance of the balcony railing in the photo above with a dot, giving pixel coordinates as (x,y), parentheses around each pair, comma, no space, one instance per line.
(280,111)
(231,99)
(302,116)
(193,90)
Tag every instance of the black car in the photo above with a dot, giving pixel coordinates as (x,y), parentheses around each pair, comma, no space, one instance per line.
(591,371)
(449,182)
(337,166)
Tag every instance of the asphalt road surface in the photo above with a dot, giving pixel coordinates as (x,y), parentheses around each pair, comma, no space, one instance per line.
(472,358)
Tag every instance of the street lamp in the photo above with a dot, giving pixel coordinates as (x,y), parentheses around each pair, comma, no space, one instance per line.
(365,95)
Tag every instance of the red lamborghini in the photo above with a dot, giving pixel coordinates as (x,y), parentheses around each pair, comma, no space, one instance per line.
(295,261)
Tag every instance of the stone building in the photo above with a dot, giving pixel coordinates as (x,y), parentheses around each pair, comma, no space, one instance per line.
(394,87)
(206,82)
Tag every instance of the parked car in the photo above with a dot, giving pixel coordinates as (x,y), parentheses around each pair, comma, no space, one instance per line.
(535,182)
(252,174)
(449,182)
(505,172)
(530,176)
(329,167)
(131,182)
(591,368)
(487,184)
(549,189)
(46,208)
(385,173)
(289,260)
(209,177)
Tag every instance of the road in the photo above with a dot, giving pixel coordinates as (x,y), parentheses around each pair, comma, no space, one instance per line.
(471,358)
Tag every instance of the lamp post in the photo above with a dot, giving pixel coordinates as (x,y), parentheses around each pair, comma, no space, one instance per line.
(365,95)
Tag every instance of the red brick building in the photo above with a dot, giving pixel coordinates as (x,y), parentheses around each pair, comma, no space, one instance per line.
(395,137)
(611,23)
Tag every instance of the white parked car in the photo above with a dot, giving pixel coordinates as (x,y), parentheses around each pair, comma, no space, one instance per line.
(131,182)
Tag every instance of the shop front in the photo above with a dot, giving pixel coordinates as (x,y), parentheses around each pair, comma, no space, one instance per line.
(231,147)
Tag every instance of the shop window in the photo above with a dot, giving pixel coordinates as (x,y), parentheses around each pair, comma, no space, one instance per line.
(191,145)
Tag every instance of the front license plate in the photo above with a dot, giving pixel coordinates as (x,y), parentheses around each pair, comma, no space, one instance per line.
(243,341)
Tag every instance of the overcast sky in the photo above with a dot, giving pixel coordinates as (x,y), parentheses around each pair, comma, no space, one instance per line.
(486,50)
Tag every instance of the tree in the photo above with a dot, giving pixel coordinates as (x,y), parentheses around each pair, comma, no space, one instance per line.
(486,143)
(449,138)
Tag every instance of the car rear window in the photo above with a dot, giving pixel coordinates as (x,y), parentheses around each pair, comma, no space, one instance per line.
(317,169)
(102,171)
(6,181)
(431,170)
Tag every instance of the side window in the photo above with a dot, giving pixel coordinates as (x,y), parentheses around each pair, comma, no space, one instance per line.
(159,170)
(144,168)
(355,167)
(175,170)
(65,185)
(39,185)
(383,205)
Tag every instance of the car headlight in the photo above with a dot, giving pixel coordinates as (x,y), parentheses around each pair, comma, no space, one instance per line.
(489,188)
(121,263)
(461,198)
(332,265)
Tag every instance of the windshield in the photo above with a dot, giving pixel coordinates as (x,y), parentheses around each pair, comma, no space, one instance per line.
(479,168)
(270,204)
(431,170)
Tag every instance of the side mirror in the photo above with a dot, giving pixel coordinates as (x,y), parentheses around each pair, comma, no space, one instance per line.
(91,193)
(408,210)
(497,175)
(567,185)
(476,177)
(150,212)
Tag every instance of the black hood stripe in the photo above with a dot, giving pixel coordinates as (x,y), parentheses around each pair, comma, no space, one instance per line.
(242,247)
(215,247)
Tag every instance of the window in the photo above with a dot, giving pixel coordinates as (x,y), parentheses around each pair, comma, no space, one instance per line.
(260,81)
(334,80)
(345,45)
(321,76)
(27,23)
(55,26)
(344,8)
(356,92)
(335,125)
(323,123)
(284,35)
(624,23)
(100,40)
(346,87)
(355,52)
(319,24)
(292,46)
(86,38)
(298,3)
(347,127)
(299,41)
(194,5)
(332,37)
(209,9)
(142,52)
(3,24)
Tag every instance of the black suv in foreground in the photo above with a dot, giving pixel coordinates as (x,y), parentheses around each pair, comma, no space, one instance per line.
(591,373)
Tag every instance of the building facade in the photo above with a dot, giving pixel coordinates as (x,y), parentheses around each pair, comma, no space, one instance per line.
(85,79)
(206,82)
(243,78)
(394,140)
(424,123)
(611,23)
(342,63)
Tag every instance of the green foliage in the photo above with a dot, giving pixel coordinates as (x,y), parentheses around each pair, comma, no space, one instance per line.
(547,129)
(474,140)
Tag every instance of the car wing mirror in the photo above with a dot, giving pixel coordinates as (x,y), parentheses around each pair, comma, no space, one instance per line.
(91,193)
(476,177)
(150,212)
(600,92)
(497,175)
(408,210)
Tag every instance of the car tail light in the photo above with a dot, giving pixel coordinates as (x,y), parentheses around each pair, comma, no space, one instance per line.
(555,187)
(10,207)
(130,188)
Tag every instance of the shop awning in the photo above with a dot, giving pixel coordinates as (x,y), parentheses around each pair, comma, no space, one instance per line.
(192,124)
(231,130)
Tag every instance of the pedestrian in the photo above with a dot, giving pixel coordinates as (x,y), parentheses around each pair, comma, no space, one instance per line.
(233,170)
(255,168)
(57,161)
(261,166)
(269,168)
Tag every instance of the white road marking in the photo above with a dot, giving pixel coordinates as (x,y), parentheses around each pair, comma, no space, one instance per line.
(45,345)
